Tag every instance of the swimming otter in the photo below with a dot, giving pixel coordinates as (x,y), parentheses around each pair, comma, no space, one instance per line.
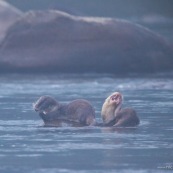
(113,115)
(76,113)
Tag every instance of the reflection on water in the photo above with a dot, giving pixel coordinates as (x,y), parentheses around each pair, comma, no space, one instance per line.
(28,147)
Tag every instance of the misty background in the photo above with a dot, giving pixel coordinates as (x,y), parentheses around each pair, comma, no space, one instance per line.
(108,8)
(119,43)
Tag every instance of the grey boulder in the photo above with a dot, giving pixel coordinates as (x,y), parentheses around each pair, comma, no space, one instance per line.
(54,41)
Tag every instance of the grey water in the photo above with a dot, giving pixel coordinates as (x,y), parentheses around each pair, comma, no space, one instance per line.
(26,146)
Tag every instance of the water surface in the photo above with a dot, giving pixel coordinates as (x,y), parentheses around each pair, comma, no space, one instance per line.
(26,146)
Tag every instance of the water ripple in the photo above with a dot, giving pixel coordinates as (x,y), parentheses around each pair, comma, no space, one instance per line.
(25,144)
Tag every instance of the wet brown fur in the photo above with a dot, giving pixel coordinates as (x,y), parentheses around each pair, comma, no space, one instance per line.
(76,113)
(113,115)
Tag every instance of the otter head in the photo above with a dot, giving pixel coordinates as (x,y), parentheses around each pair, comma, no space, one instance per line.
(45,105)
(111,106)
(115,99)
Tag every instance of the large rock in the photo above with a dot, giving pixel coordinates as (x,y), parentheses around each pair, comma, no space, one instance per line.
(8,15)
(46,41)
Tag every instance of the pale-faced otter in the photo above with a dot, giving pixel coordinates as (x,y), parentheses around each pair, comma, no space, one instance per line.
(76,113)
(113,115)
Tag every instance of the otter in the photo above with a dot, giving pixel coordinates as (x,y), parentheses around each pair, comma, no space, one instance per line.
(76,113)
(113,115)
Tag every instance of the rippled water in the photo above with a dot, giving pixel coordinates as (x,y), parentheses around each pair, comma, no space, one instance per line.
(27,147)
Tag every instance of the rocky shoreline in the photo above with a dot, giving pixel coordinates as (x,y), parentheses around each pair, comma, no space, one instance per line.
(55,41)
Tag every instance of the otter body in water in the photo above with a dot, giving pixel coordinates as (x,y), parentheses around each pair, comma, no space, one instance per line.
(113,115)
(76,113)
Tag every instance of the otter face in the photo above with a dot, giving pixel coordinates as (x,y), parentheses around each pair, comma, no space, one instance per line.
(45,104)
(115,99)
(111,106)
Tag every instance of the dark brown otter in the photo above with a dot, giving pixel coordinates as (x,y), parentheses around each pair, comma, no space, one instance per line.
(76,113)
(113,115)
